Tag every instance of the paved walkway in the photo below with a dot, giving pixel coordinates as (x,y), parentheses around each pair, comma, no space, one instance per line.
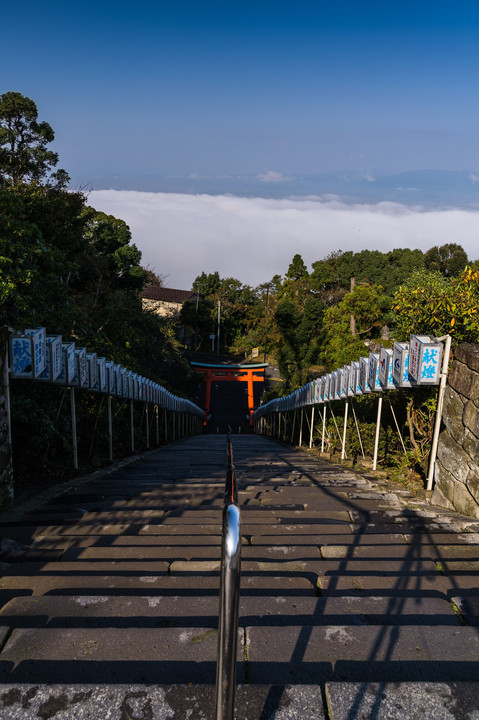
(357,600)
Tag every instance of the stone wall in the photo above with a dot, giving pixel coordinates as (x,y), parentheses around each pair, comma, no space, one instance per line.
(6,469)
(162,307)
(457,465)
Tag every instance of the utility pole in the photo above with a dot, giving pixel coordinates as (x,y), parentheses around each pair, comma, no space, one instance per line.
(266,324)
(196,321)
(218,329)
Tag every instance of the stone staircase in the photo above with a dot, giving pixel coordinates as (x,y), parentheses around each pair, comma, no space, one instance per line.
(357,600)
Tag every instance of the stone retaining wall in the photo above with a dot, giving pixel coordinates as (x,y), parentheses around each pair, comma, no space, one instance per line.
(6,469)
(457,465)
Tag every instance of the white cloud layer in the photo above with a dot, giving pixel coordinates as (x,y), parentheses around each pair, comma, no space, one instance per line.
(253,239)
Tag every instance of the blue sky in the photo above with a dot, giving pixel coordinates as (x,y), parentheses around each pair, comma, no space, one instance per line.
(193,101)
(233,88)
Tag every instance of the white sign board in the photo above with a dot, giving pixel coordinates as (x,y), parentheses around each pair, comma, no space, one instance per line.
(425,358)
(386,369)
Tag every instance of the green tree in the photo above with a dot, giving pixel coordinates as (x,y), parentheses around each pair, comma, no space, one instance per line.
(24,156)
(118,259)
(449,259)
(431,304)
(207,283)
(288,319)
(197,315)
(42,242)
(20,248)
(296,282)
(366,303)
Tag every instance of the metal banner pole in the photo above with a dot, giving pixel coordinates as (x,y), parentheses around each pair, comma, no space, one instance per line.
(335,423)
(440,403)
(6,376)
(345,426)
(376,440)
(311,428)
(147,420)
(74,428)
(357,429)
(110,430)
(132,428)
(397,426)
(324,428)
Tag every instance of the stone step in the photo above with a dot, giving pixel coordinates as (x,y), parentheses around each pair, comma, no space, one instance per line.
(344,538)
(110,568)
(126,541)
(406,585)
(163,611)
(306,515)
(137,553)
(287,529)
(181,584)
(362,654)
(161,702)
(375,551)
(307,654)
(118,516)
(117,655)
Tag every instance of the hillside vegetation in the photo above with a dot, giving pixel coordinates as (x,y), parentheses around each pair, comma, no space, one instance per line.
(77,271)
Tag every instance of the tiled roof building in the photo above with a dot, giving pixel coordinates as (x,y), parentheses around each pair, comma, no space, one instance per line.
(164,301)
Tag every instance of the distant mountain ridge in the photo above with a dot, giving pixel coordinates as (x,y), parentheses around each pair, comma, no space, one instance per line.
(456,188)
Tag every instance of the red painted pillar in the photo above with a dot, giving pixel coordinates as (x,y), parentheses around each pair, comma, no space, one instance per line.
(207,397)
(250,397)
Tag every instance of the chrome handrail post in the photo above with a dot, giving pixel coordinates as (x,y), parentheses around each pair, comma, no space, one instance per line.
(229,597)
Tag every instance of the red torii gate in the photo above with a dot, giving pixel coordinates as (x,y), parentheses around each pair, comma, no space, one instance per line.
(230,373)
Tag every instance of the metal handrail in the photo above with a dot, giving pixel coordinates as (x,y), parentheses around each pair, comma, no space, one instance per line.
(229,595)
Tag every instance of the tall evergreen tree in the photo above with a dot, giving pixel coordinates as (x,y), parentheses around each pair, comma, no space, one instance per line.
(24,156)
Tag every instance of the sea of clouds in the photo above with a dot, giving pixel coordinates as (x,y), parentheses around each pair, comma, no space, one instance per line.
(253,239)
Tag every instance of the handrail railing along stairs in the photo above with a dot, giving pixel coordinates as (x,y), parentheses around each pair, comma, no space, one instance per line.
(229,594)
